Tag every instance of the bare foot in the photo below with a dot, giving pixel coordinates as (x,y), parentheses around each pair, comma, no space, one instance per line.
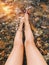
(18,36)
(28,33)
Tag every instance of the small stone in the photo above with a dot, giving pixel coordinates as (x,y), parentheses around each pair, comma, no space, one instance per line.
(2,44)
(38,14)
(44,52)
(3,53)
(38,39)
(8,37)
(38,44)
(1,58)
(39,32)
(44,27)
(46,45)
(36,19)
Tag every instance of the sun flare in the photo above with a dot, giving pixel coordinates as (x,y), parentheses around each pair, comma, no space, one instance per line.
(6,9)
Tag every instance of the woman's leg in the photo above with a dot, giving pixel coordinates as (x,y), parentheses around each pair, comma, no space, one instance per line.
(33,55)
(16,56)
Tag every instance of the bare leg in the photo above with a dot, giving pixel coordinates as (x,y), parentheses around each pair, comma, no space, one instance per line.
(16,56)
(33,55)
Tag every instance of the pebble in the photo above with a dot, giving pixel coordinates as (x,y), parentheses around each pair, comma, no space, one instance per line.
(2,45)
(36,19)
(38,14)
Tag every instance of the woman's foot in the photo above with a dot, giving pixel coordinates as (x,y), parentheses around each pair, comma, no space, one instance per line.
(28,33)
(18,36)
